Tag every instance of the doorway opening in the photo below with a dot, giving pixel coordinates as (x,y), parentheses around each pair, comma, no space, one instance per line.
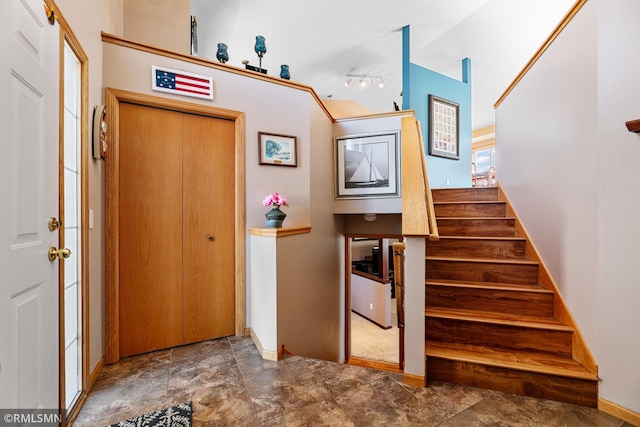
(372,335)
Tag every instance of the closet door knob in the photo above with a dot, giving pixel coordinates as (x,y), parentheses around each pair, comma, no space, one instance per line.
(211,238)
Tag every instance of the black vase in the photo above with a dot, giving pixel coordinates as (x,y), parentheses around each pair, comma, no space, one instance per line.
(275,217)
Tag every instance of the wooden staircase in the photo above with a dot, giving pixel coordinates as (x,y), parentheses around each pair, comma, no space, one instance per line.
(492,311)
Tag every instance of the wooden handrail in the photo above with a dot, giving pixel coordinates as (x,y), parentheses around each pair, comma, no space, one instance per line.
(633,125)
(418,213)
(431,211)
(556,32)
(415,219)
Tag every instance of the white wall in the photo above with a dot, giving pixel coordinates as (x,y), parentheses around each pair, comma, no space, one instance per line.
(161,23)
(414,297)
(263,275)
(619,210)
(371,299)
(326,251)
(362,249)
(569,166)
(547,155)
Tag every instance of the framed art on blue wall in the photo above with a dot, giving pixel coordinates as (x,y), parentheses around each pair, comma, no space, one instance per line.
(444,128)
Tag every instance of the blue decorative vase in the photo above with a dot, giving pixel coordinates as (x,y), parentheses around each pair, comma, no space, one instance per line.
(275,217)
(260,47)
(222,54)
(284,72)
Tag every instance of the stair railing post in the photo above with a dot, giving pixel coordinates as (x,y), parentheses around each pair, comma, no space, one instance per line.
(414,304)
(398,280)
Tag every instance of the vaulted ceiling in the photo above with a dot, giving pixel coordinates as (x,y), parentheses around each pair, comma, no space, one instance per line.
(323,41)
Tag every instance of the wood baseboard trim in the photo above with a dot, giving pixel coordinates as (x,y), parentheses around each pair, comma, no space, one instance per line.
(247,332)
(91,380)
(71,416)
(266,354)
(93,376)
(618,411)
(283,352)
(286,351)
(415,380)
(374,364)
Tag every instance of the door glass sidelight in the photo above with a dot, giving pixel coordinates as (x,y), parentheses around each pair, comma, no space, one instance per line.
(71,230)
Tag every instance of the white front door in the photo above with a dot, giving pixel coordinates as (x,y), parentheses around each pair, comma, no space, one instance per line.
(29,97)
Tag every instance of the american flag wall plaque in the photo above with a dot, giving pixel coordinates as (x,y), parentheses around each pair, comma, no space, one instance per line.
(181,82)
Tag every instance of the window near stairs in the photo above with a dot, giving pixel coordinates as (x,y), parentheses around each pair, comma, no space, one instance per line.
(483,168)
(483,157)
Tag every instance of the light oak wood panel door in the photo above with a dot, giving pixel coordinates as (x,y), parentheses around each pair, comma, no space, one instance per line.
(208,231)
(150,158)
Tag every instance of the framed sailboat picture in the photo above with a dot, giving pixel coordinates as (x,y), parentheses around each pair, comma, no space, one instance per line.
(367,165)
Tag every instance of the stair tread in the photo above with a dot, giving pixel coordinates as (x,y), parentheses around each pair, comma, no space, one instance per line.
(463,202)
(520,360)
(535,322)
(490,285)
(493,218)
(476,238)
(485,260)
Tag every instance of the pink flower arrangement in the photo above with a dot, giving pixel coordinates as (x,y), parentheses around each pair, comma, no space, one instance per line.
(275,200)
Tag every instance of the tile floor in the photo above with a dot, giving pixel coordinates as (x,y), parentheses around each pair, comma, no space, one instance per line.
(231,385)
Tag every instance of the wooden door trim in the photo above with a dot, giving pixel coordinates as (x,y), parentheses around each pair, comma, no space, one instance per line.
(67,36)
(358,361)
(113,98)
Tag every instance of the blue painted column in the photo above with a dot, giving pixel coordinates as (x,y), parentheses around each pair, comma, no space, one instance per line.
(406,65)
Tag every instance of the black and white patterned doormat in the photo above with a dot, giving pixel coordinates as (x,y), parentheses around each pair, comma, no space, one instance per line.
(175,416)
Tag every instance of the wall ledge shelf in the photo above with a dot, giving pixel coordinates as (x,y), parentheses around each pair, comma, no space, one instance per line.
(279,232)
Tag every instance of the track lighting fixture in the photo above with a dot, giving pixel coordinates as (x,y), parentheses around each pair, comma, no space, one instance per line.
(364,80)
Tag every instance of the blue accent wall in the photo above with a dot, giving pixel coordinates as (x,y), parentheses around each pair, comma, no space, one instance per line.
(417,84)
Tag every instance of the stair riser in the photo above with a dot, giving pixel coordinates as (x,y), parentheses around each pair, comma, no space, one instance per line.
(464,194)
(476,227)
(482,271)
(541,386)
(497,209)
(493,300)
(507,337)
(476,248)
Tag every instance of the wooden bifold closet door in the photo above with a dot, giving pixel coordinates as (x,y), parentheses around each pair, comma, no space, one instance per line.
(177,217)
